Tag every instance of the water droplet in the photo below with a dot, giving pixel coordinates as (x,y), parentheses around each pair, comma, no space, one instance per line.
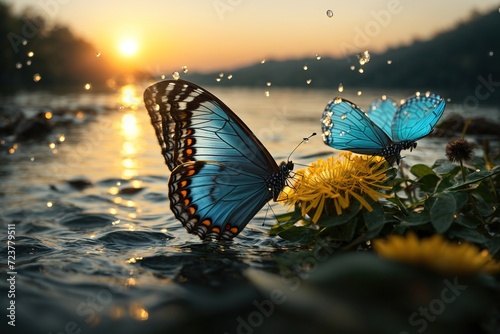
(266,93)
(353,67)
(359,93)
(49,204)
(308,81)
(342,133)
(229,77)
(97,54)
(337,100)
(389,62)
(31,54)
(28,63)
(48,115)
(176,75)
(184,69)
(32,159)
(61,138)
(25,42)
(417,94)
(263,61)
(384,97)
(217,79)
(305,67)
(13,148)
(87,86)
(364,57)
(341,88)
(344,116)
(329,13)
(162,76)
(37,77)
(221,74)
(52,146)
(19,65)
(268,84)
(490,53)
(318,57)
(361,70)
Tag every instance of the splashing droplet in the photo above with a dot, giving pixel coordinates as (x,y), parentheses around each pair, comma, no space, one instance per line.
(162,76)
(361,70)
(364,57)
(97,54)
(263,61)
(221,74)
(37,77)
(490,53)
(318,57)
(305,67)
(341,88)
(329,13)
(28,63)
(268,84)
(87,86)
(176,75)
(359,93)
(389,62)
(217,79)
(353,67)
(308,81)
(266,93)
(229,77)
(19,65)
(25,42)
(184,69)
(31,54)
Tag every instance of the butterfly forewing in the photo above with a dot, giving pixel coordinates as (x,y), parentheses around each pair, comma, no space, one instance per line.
(416,118)
(346,127)
(381,112)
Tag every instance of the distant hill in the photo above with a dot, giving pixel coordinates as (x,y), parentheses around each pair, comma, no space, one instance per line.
(450,62)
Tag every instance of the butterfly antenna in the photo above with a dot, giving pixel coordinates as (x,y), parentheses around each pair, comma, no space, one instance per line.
(304,140)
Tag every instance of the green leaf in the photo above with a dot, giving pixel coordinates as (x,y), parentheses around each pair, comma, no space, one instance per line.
(428,182)
(416,219)
(445,168)
(446,182)
(343,232)
(421,170)
(461,198)
(374,220)
(442,212)
(476,177)
(396,200)
(347,215)
(468,221)
(494,245)
(469,235)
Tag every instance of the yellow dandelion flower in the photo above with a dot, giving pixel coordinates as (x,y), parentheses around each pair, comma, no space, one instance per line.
(438,254)
(329,186)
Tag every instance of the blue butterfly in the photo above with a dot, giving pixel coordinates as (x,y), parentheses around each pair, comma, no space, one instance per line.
(222,175)
(385,130)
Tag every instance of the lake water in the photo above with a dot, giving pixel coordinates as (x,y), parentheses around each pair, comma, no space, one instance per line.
(97,248)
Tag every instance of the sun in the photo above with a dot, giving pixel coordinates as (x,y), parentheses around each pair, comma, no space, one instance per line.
(128,47)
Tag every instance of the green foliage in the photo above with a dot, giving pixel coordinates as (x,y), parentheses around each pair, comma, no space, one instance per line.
(461,204)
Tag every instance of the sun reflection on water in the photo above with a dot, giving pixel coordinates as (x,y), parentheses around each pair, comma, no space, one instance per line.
(130,131)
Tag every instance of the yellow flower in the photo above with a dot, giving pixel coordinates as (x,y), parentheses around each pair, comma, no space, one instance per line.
(438,254)
(328,186)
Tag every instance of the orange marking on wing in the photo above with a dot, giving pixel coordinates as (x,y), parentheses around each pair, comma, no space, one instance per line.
(216,229)
(183,193)
(190,172)
(189,141)
(188,151)
(186,202)
(191,210)
(233,230)
(183,183)
(206,222)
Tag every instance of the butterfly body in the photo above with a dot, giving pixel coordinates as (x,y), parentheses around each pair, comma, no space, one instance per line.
(221,174)
(386,130)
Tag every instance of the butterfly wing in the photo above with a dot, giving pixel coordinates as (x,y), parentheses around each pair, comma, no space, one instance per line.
(346,127)
(222,175)
(381,112)
(417,117)
(191,124)
(215,200)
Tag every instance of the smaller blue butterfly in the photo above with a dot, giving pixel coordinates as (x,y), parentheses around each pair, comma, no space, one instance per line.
(385,130)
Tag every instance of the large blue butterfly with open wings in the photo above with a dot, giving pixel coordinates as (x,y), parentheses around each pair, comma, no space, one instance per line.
(222,175)
(385,130)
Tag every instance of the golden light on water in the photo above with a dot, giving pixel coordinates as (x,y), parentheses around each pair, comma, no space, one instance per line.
(138,312)
(128,47)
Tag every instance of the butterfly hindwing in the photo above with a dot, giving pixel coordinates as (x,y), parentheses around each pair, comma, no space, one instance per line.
(215,200)
(416,118)
(346,127)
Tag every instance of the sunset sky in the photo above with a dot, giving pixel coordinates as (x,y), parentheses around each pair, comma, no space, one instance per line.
(224,34)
